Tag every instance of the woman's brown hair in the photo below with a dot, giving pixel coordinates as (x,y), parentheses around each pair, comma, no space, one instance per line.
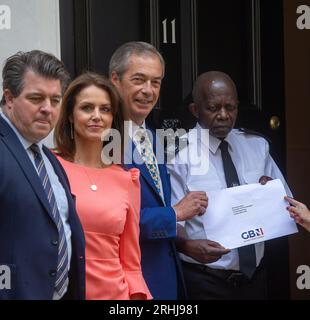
(64,142)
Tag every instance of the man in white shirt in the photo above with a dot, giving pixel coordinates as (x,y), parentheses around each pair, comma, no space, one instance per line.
(211,271)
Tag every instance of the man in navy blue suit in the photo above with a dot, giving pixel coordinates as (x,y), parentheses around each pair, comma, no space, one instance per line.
(42,244)
(137,70)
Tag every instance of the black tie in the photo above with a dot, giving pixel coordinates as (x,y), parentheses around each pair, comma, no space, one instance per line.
(247,256)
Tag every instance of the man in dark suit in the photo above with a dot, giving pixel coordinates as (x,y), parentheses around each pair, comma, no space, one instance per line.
(42,244)
(137,69)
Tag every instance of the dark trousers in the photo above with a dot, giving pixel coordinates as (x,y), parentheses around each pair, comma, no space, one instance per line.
(204,283)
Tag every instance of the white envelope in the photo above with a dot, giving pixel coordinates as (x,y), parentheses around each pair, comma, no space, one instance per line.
(248,214)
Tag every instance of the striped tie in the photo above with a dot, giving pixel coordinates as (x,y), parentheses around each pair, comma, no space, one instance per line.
(62,279)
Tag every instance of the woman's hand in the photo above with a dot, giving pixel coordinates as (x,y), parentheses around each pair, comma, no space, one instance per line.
(299,212)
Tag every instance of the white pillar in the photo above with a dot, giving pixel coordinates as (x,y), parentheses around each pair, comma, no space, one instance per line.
(29,25)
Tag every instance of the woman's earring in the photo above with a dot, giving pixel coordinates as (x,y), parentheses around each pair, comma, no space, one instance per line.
(71,130)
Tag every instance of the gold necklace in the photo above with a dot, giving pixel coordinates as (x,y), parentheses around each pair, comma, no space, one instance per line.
(92,186)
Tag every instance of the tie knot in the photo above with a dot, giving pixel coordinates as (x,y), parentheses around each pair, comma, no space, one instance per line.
(224,146)
(35,149)
(140,135)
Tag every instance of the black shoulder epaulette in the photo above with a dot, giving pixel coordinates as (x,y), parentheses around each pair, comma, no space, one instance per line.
(255,133)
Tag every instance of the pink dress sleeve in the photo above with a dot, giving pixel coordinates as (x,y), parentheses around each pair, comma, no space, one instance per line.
(130,254)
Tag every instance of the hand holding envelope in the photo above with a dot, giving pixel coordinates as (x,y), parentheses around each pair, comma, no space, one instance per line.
(248,214)
(203,250)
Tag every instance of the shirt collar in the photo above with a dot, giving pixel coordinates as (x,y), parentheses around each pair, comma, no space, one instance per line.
(133,127)
(214,143)
(25,143)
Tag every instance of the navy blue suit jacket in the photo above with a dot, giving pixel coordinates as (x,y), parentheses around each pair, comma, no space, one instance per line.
(27,230)
(159,259)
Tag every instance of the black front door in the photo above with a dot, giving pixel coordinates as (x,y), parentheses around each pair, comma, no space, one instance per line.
(243,38)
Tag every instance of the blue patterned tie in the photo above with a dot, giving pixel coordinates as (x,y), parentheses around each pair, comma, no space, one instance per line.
(63,261)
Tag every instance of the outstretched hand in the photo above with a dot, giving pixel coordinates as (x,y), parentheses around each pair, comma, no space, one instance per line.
(299,212)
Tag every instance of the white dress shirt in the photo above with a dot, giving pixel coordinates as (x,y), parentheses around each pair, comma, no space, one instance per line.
(59,191)
(250,155)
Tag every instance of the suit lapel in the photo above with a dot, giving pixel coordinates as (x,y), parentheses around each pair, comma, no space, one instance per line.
(130,163)
(17,150)
(165,182)
(75,225)
(162,169)
(57,168)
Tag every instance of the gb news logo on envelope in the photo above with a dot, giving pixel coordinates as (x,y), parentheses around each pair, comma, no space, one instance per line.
(252,235)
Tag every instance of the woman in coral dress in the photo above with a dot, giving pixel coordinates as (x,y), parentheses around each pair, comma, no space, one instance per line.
(107,196)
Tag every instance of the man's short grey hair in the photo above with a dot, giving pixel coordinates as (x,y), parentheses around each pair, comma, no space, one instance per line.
(41,63)
(119,62)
